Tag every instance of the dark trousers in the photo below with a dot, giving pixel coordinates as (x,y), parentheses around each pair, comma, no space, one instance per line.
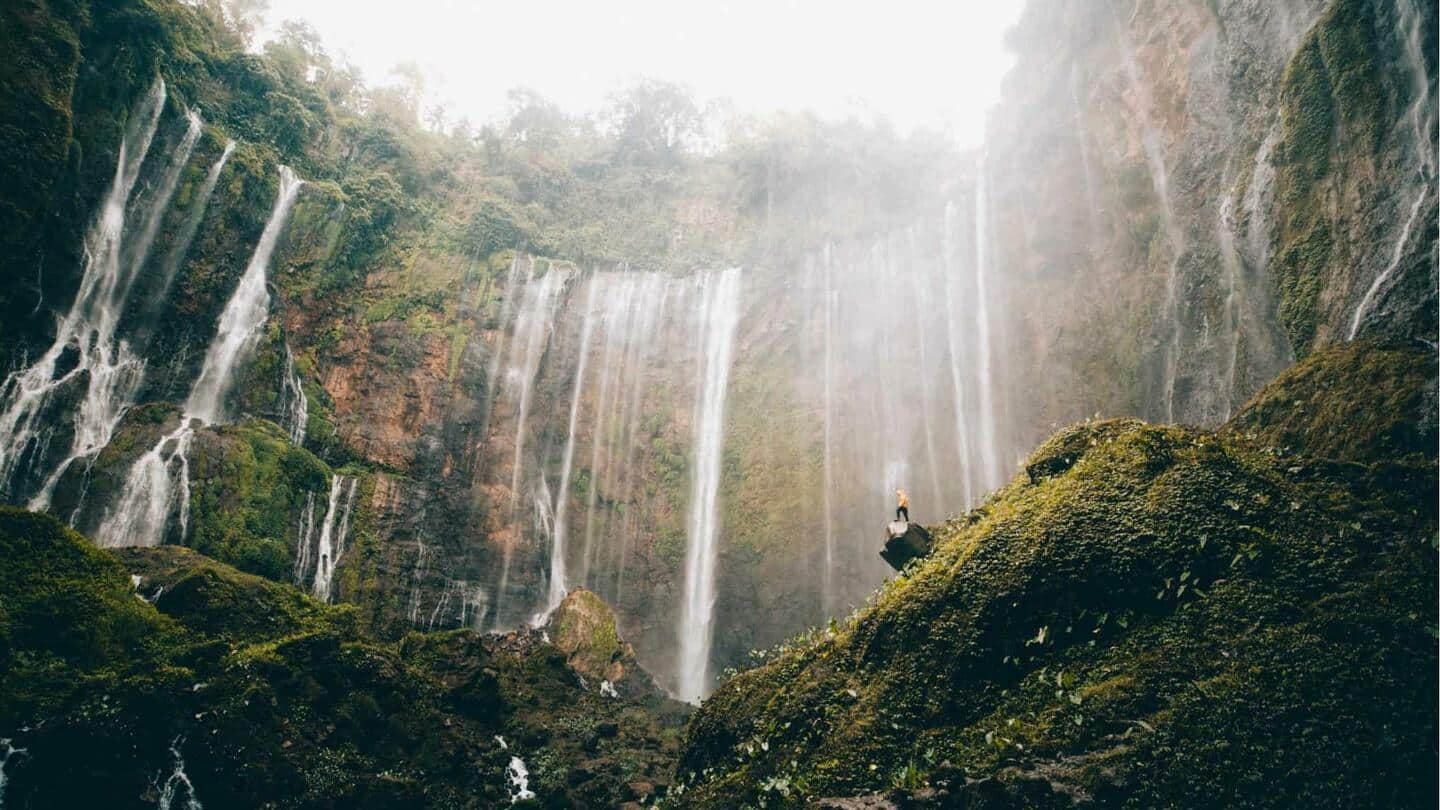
(902,513)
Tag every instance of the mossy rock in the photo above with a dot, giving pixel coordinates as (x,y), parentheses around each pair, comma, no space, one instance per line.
(583,626)
(274,699)
(1361,402)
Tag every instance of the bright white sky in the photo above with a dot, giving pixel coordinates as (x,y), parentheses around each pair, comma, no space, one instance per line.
(919,63)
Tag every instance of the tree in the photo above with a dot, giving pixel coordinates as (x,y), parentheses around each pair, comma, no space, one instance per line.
(653,121)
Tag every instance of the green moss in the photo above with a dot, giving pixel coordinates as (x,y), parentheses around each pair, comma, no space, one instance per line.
(1332,109)
(584,627)
(249,485)
(274,698)
(1361,402)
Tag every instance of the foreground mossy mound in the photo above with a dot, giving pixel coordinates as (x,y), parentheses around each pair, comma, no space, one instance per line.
(1152,617)
(270,699)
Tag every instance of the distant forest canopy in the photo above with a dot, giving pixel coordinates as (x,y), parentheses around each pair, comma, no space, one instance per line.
(551,180)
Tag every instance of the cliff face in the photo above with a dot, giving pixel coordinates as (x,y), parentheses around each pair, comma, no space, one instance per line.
(479,349)
(1187,196)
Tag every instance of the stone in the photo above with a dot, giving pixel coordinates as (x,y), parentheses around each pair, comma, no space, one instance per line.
(910,543)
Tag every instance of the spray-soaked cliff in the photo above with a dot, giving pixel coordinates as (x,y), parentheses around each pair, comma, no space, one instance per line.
(1208,190)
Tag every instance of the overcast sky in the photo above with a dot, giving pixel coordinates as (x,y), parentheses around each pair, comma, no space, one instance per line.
(921,64)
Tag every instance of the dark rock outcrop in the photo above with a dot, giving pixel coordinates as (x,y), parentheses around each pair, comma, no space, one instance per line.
(902,547)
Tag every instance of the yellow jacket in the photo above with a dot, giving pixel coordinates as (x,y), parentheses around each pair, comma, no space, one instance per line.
(904,502)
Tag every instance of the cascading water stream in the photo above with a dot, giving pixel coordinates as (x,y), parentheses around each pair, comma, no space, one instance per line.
(88,329)
(178,785)
(294,406)
(720,313)
(953,325)
(829,302)
(115,373)
(562,497)
(149,495)
(244,316)
(919,298)
(8,751)
(994,475)
(533,324)
(304,537)
(1422,117)
(616,324)
(1160,180)
(333,532)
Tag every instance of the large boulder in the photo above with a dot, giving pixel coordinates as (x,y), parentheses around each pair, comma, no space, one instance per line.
(584,628)
(905,543)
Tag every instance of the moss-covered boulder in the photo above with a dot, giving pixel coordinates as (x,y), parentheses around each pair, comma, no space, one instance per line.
(125,672)
(1164,617)
(583,626)
(1360,402)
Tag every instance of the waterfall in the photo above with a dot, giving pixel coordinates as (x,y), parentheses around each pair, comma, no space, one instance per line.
(1160,180)
(1367,302)
(140,515)
(114,377)
(304,535)
(1422,117)
(474,601)
(244,315)
(112,371)
(8,751)
(533,324)
(333,531)
(920,296)
(617,315)
(417,579)
(177,785)
(294,407)
(644,317)
(719,314)
(1082,138)
(994,475)
(829,300)
(958,374)
(562,496)
(518,779)
(492,370)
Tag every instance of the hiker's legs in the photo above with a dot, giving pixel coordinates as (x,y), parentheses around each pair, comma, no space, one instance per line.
(901,513)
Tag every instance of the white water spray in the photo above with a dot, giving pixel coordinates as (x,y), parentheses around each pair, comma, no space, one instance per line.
(294,406)
(112,372)
(562,496)
(333,532)
(720,310)
(150,491)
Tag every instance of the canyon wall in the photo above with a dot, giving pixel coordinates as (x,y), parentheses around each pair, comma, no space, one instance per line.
(480,349)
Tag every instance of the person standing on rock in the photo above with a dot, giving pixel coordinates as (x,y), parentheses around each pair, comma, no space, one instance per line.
(902,506)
